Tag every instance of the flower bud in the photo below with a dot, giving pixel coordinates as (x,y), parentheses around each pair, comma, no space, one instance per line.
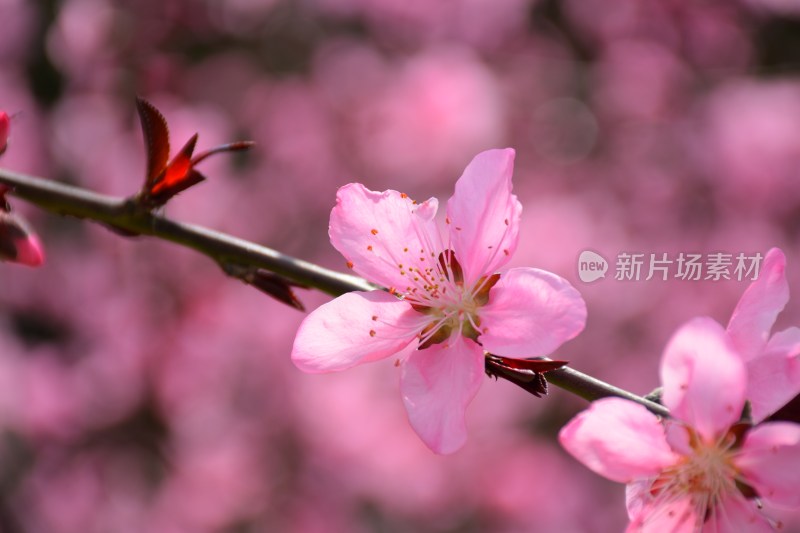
(18,243)
(5,128)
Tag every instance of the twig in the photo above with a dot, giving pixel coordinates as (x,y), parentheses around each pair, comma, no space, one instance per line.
(591,389)
(126,216)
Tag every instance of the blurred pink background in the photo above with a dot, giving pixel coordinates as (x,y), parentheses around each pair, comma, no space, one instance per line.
(142,390)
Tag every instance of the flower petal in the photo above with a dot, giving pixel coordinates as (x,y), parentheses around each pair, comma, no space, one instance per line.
(773,378)
(736,514)
(437,384)
(658,515)
(483,215)
(759,306)
(530,313)
(355,328)
(679,436)
(382,233)
(704,379)
(618,439)
(770,461)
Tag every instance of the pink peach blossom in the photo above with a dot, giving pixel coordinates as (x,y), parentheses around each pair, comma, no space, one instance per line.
(702,470)
(446,304)
(773,365)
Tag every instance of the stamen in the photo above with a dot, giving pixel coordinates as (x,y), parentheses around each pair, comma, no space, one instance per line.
(496,249)
(706,477)
(434,329)
(473,323)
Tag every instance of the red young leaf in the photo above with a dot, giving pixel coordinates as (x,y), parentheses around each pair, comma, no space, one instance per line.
(165,180)
(525,373)
(229,147)
(534,365)
(176,173)
(156,139)
(276,286)
(163,194)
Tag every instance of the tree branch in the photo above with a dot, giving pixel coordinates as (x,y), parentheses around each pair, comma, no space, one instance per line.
(126,216)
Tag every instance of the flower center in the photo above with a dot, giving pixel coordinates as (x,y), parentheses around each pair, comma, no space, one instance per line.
(452,307)
(706,476)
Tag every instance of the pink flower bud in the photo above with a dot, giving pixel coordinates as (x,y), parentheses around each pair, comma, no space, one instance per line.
(5,128)
(18,243)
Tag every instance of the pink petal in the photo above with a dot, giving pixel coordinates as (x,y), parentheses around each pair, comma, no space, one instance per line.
(530,313)
(770,462)
(673,516)
(679,437)
(704,378)
(437,385)
(355,328)
(638,497)
(483,215)
(759,306)
(731,515)
(773,378)
(735,514)
(382,233)
(618,439)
